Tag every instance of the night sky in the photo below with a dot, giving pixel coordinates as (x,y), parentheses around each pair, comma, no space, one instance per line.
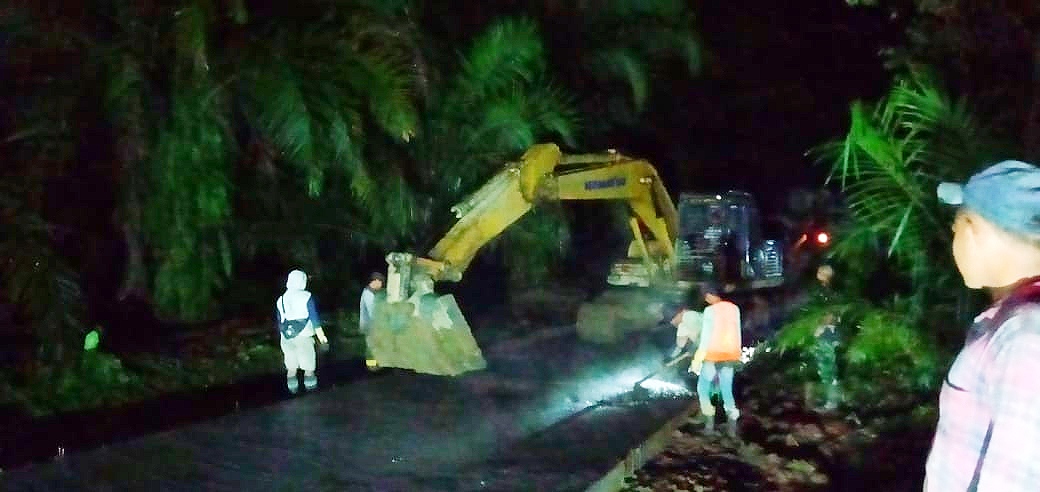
(779,81)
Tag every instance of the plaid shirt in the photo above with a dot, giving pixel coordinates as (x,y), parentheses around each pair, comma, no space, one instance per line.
(988,435)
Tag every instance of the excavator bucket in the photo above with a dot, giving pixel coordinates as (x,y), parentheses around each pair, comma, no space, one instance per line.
(426,334)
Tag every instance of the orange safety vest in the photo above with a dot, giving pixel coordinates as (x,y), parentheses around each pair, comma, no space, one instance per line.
(724,345)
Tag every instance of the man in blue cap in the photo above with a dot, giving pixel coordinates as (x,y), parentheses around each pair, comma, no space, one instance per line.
(988,435)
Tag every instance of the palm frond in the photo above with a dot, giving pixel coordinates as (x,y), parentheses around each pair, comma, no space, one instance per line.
(482,120)
(190,203)
(891,161)
(499,127)
(630,67)
(191,26)
(275,101)
(504,124)
(388,87)
(555,112)
(508,51)
(315,111)
(398,212)
(630,43)
(888,165)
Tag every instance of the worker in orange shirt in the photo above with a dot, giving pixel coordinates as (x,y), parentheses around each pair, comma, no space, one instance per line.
(718,356)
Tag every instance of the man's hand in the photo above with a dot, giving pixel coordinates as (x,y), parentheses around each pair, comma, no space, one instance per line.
(321,335)
(677,319)
(675,352)
(695,367)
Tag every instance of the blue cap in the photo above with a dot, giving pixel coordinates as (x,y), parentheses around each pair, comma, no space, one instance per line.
(1006,193)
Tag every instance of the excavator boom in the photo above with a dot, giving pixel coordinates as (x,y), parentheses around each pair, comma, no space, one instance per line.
(416,327)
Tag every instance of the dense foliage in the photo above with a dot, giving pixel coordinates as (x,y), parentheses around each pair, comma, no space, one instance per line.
(183,156)
(904,307)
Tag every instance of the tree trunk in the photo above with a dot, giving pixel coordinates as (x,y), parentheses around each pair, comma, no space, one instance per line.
(135,276)
(130,214)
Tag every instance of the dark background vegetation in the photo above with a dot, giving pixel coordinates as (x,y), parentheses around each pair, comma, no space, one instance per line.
(166,163)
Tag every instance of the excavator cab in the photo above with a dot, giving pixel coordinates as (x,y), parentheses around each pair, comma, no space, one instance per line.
(720,240)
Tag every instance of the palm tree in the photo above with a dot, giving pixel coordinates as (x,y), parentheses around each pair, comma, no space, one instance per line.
(897,234)
(233,128)
(320,96)
(197,92)
(475,112)
(499,101)
(257,92)
(889,164)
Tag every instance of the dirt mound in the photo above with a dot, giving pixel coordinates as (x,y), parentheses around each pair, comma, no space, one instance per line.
(610,317)
(549,305)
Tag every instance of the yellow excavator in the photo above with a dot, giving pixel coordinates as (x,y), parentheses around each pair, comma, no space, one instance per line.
(417,329)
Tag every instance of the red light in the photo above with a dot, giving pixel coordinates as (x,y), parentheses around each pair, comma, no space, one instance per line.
(823,238)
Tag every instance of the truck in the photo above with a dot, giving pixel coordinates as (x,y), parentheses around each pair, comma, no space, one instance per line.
(707,238)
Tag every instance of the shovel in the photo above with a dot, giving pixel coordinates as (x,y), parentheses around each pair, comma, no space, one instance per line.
(638,385)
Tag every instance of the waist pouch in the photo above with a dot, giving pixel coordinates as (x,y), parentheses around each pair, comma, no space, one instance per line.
(292,327)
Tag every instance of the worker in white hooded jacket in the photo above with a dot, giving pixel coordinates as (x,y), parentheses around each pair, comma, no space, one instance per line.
(296,306)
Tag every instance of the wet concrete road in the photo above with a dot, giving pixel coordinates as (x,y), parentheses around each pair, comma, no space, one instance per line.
(550,413)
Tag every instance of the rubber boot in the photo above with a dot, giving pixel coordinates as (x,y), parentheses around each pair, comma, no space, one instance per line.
(708,417)
(292,383)
(832,396)
(731,429)
(732,415)
(310,381)
(370,361)
(709,425)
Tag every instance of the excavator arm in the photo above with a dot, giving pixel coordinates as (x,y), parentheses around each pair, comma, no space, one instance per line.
(545,174)
(542,174)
